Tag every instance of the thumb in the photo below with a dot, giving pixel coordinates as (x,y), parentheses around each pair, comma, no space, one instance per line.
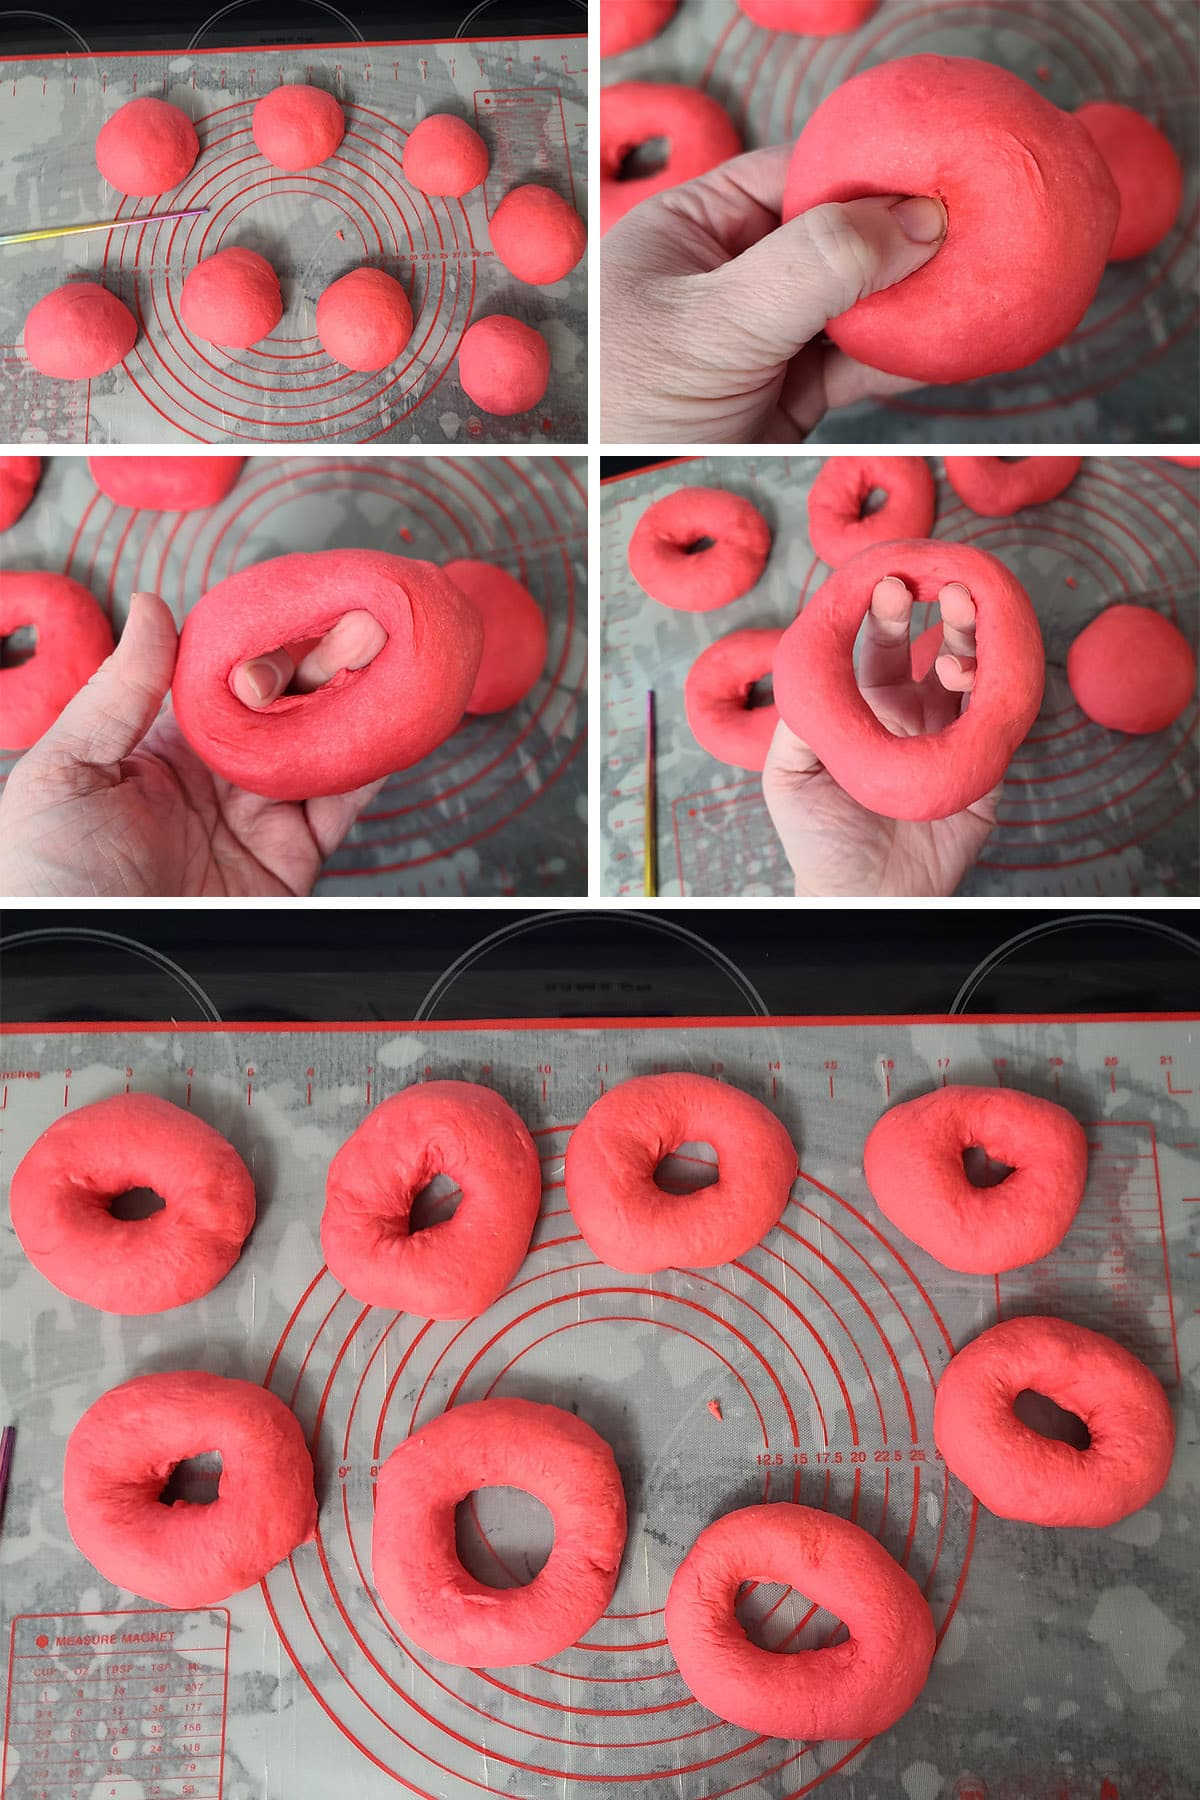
(793,281)
(111,715)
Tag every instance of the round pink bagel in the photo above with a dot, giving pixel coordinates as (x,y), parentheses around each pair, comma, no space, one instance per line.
(626,23)
(995,488)
(546,1452)
(1019,1474)
(121,1455)
(698,129)
(838,527)
(363,724)
(913,1162)
(663,559)
(1147,170)
(73,639)
(849,1690)
(941,773)
(1131,669)
(716,697)
(65,1185)
(79,331)
(456,1269)
(166,483)
(147,147)
(19,476)
(514,634)
(809,18)
(632,1223)
(1031,210)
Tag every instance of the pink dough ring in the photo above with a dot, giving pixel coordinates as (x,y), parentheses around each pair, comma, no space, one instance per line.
(79,331)
(122,1453)
(63,1189)
(1132,670)
(165,483)
(698,129)
(363,724)
(626,23)
(913,1162)
(456,1269)
(19,476)
(1031,209)
(809,18)
(514,634)
(663,562)
(937,775)
(73,639)
(1019,1474)
(996,489)
(1146,169)
(837,525)
(632,1223)
(716,696)
(542,1450)
(853,1689)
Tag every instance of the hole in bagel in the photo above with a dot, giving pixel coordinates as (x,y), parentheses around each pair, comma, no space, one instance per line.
(698,546)
(761,694)
(777,1617)
(436,1202)
(1050,1420)
(195,1479)
(687,1169)
(873,502)
(503,1536)
(644,159)
(137,1203)
(16,647)
(982,1170)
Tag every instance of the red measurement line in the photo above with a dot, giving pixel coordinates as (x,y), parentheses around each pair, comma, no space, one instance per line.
(116,1650)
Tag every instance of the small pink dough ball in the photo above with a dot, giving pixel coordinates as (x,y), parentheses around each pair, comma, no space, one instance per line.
(1132,670)
(503,365)
(19,476)
(147,147)
(298,127)
(809,18)
(364,319)
(165,483)
(514,634)
(79,331)
(627,23)
(445,156)
(232,299)
(538,236)
(1148,174)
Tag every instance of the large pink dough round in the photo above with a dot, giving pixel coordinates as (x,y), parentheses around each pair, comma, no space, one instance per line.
(699,548)
(363,724)
(147,147)
(1031,208)
(853,1689)
(455,1269)
(165,483)
(79,331)
(298,127)
(1146,169)
(64,1188)
(364,320)
(810,18)
(538,236)
(121,1455)
(73,638)
(996,488)
(837,526)
(232,299)
(503,365)
(1132,670)
(444,156)
(19,476)
(514,634)
(717,696)
(547,1452)
(934,775)
(626,23)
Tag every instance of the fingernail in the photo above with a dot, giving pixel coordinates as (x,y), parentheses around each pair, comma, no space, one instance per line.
(921,219)
(260,677)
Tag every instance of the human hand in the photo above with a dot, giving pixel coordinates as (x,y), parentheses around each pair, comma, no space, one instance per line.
(112,799)
(711,310)
(836,846)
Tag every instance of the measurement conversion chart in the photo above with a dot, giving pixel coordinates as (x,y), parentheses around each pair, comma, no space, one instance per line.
(116,1706)
(1067,1660)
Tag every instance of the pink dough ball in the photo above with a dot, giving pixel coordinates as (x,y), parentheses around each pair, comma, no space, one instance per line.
(165,483)
(503,365)
(538,236)
(19,476)
(79,331)
(1148,174)
(298,127)
(1132,670)
(364,319)
(627,23)
(232,299)
(514,634)
(809,18)
(147,147)
(445,156)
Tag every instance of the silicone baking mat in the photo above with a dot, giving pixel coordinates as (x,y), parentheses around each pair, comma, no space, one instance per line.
(1131,371)
(527,97)
(500,808)
(1062,1669)
(1084,810)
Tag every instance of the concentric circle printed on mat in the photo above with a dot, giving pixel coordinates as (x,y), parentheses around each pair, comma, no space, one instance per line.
(1139,53)
(822,1349)
(439,508)
(287,388)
